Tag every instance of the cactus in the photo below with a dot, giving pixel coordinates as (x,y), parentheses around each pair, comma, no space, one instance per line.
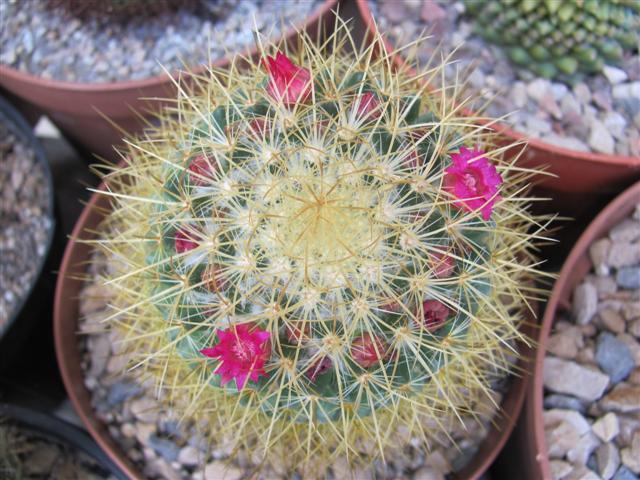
(316,257)
(559,39)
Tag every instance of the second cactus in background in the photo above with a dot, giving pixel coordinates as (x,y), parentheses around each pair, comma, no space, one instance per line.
(559,39)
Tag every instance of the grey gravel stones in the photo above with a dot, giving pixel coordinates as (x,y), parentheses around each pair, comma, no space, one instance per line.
(43,39)
(585,302)
(25,222)
(613,357)
(629,277)
(623,398)
(561,376)
(608,459)
(122,390)
(599,253)
(601,114)
(631,454)
(164,447)
(592,368)
(624,473)
(566,402)
(606,427)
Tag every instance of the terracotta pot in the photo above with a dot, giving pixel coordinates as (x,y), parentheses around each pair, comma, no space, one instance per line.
(575,268)
(76,107)
(66,316)
(576,172)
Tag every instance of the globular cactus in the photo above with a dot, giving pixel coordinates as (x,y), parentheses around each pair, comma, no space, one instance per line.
(317,257)
(559,39)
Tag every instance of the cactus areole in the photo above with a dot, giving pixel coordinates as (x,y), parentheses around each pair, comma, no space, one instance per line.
(316,254)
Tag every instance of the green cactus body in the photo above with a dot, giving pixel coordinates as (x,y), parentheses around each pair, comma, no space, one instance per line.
(559,39)
(325,225)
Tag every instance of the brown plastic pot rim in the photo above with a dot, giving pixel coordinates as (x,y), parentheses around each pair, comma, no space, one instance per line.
(126,85)
(592,233)
(501,127)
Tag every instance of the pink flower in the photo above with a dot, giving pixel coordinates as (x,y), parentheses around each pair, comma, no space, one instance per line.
(442,264)
(434,314)
(201,169)
(287,81)
(367,350)
(242,350)
(318,368)
(473,180)
(367,105)
(259,127)
(184,241)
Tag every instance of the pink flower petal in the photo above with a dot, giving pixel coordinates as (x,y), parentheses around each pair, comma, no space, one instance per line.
(242,351)
(367,105)
(184,241)
(474,181)
(288,82)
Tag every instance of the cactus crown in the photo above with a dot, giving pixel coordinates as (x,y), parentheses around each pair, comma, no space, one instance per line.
(311,261)
(560,39)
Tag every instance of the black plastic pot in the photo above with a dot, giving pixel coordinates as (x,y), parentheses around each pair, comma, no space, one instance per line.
(61,432)
(30,310)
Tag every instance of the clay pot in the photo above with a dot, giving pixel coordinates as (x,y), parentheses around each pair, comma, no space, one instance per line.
(66,316)
(575,268)
(576,173)
(78,109)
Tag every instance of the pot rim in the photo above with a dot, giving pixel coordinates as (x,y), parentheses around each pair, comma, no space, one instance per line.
(250,50)
(20,126)
(501,127)
(613,213)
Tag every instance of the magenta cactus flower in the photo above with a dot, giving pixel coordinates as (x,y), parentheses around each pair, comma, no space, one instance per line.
(321,366)
(368,350)
(288,82)
(184,241)
(434,314)
(201,170)
(474,181)
(243,351)
(368,106)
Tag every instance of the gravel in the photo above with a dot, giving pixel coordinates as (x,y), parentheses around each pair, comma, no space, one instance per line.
(25,222)
(592,393)
(613,357)
(600,115)
(25,454)
(164,445)
(45,39)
